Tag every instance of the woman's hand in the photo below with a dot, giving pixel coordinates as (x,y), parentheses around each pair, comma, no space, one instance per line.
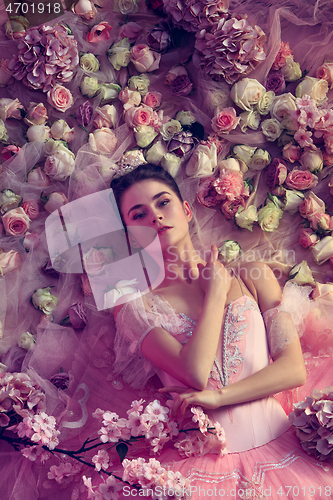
(214,278)
(209,399)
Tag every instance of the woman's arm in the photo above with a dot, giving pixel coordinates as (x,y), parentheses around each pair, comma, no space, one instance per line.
(191,363)
(286,371)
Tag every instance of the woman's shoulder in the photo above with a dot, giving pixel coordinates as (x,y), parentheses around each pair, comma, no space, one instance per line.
(262,283)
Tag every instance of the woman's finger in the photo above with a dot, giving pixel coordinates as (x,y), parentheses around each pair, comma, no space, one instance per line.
(173,388)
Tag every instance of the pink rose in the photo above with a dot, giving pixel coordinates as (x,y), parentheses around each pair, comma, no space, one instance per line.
(152,99)
(307,237)
(8,151)
(225,121)
(55,201)
(10,108)
(5,73)
(321,220)
(94,261)
(230,207)
(130,30)
(38,178)
(311,206)
(60,98)
(173,73)
(16,222)
(30,241)
(103,140)
(85,9)
(129,98)
(276,173)
(31,208)
(106,116)
(144,59)
(325,72)
(142,115)
(36,114)
(60,165)
(99,33)
(9,261)
(230,185)
(291,152)
(301,179)
(207,194)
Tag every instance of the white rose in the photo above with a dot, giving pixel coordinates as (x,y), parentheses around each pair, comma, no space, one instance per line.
(269,216)
(265,103)
(291,70)
(60,165)
(26,341)
(89,62)
(249,119)
(144,135)
(8,200)
(60,129)
(89,86)
(315,88)
(169,129)
(322,250)
(122,287)
(119,54)
(282,106)
(271,128)
(312,159)
(245,218)
(185,117)
(243,152)
(3,132)
(126,6)
(42,299)
(171,163)
(203,161)
(51,146)
(231,164)
(259,160)
(301,274)
(139,83)
(247,93)
(293,200)
(230,250)
(107,171)
(156,153)
(109,91)
(38,133)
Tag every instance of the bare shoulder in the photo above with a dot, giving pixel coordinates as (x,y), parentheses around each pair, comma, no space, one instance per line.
(262,283)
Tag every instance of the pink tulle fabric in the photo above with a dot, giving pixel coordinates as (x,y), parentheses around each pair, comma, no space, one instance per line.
(87,355)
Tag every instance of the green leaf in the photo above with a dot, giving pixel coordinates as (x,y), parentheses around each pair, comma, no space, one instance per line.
(122,450)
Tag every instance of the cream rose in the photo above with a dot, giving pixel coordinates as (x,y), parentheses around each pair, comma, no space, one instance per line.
(169,129)
(36,114)
(8,200)
(247,93)
(126,6)
(60,98)
(38,133)
(55,200)
(61,130)
(312,159)
(89,62)
(26,341)
(271,128)
(230,250)
(259,160)
(293,200)
(171,163)
(109,92)
(9,261)
(322,250)
(245,218)
(106,116)
(156,153)
(203,161)
(89,86)
(139,83)
(265,104)
(243,152)
(144,135)
(42,299)
(314,88)
(119,54)
(144,59)
(269,216)
(232,164)
(10,108)
(301,274)
(282,106)
(249,119)
(185,118)
(60,165)
(3,132)
(103,140)
(291,70)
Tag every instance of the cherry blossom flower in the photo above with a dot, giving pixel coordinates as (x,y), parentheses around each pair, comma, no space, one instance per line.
(101,460)
(155,408)
(303,137)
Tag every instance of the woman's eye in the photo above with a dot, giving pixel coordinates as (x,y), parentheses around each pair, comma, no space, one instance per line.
(164,202)
(138,216)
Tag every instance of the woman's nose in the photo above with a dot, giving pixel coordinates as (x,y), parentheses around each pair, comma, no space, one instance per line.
(155,217)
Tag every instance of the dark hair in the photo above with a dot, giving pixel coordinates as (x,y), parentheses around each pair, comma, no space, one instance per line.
(144,172)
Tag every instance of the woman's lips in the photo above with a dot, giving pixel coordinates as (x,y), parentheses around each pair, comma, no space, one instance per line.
(163,230)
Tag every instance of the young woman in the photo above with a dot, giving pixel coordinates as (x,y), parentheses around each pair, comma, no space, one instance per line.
(201,330)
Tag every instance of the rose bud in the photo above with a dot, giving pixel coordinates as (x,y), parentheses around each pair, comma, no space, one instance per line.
(77,316)
(49,271)
(159,39)
(60,380)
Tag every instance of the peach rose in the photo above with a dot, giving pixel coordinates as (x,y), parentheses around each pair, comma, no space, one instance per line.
(225,121)
(31,208)
(9,261)
(30,241)
(16,222)
(60,98)
(291,152)
(38,177)
(313,87)
(301,179)
(144,59)
(10,108)
(36,114)
(307,237)
(230,185)
(321,220)
(103,140)
(311,206)
(129,98)
(55,201)
(325,72)
(106,116)
(322,250)
(141,115)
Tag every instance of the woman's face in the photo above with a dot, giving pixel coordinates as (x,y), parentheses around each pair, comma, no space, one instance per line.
(151,203)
